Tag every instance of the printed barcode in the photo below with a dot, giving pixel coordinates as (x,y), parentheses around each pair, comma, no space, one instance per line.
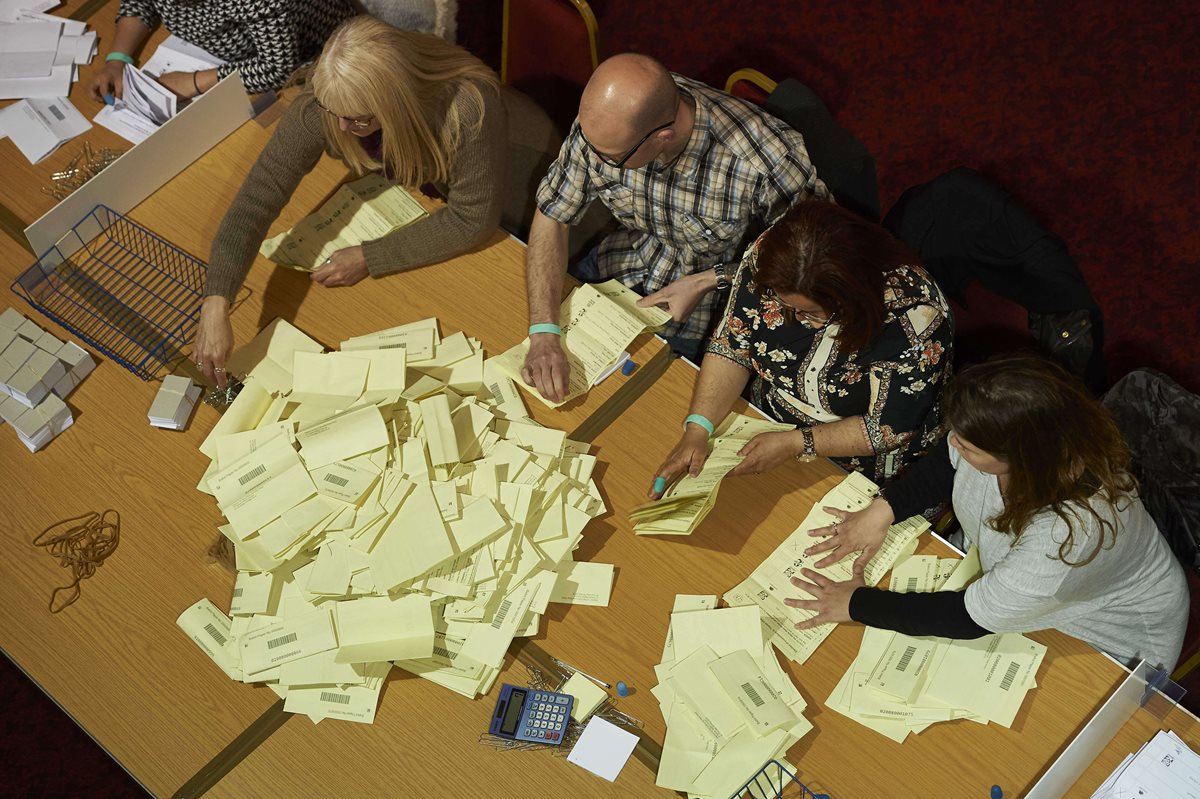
(340,699)
(215,633)
(401,345)
(442,652)
(501,613)
(281,640)
(59,115)
(237,592)
(912,584)
(1009,676)
(753,694)
(909,651)
(337,481)
(495,389)
(250,475)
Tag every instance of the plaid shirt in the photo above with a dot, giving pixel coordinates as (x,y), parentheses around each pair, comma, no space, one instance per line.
(741,170)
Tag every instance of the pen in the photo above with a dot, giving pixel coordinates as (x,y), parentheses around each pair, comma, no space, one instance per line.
(109,100)
(582,673)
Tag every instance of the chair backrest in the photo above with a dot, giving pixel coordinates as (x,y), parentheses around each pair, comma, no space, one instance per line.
(966,229)
(549,49)
(750,84)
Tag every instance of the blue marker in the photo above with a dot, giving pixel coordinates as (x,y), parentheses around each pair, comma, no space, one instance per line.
(622,689)
(628,367)
(109,100)
(659,484)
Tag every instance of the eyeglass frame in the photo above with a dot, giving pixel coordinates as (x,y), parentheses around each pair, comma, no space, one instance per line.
(357,124)
(620,163)
(792,314)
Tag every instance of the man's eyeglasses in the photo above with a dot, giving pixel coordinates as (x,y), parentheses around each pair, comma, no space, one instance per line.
(355,122)
(617,163)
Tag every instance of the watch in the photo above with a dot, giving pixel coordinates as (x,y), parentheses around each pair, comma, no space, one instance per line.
(722,280)
(809,453)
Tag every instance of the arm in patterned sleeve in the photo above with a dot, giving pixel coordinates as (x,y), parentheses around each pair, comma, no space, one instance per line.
(477,187)
(730,339)
(290,155)
(789,180)
(142,9)
(566,192)
(276,49)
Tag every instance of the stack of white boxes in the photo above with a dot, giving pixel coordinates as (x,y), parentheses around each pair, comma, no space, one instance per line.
(37,372)
(173,403)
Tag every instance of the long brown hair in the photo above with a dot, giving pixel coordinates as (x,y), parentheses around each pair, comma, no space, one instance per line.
(835,258)
(1062,447)
(404,80)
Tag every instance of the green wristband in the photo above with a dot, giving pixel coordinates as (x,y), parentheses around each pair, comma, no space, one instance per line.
(545,328)
(119,57)
(697,419)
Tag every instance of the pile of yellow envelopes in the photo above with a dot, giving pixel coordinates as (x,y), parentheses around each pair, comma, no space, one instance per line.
(390,503)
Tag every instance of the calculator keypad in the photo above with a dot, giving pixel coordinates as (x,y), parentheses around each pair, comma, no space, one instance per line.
(546,718)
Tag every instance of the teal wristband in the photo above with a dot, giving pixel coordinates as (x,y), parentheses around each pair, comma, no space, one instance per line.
(545,328)
(697,419)
(119,57)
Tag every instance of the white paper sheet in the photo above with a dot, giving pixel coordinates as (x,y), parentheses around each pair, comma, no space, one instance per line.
(603,748)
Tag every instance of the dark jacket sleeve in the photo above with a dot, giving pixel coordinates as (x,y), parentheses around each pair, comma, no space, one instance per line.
(940,613)
(926,484)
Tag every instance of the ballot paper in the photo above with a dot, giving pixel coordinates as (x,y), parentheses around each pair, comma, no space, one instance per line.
(38,127)
(29,62)
(173,404)
(1164,768)
(416,520)
(726,714)
(770,583)
(684,505)
(176,55)
(143,107)
(367,209)
(598,323)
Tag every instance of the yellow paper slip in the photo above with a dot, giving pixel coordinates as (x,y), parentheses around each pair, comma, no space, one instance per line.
(209,629)
(382,628)
(367,209)
(288,640)
(687,750)
(349,703)
(268,356)
(588,696)
(743,681)
(331,380)
(965,572)
(344,481)
(986,676)
(725,630)
(321,669)
(916,573)
(902,667)
(583,584)
(253,593)
(342,437)
(691,680)
(412,542)
(438,430)
(244,413)
(652,318)
(737,761)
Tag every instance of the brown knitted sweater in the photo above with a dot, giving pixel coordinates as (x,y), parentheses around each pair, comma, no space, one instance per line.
(491,181)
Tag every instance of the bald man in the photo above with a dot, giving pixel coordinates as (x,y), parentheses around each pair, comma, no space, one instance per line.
(690,173)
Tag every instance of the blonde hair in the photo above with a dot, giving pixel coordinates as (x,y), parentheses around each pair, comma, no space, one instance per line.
(406,81)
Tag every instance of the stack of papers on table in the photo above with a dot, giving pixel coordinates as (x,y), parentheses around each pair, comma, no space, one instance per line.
(367,209)
(1164,768)
(38,127)
(770,583)
(681,509)
(37,371)
(728,705)
(599,321)
(143,107)
(173,403)
(383,512)
(40,54)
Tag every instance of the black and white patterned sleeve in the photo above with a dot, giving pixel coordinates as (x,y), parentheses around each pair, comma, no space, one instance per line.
(142,9)
(276,52)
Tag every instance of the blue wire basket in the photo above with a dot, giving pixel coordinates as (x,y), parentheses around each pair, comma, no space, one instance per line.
(775,781)
(126,291)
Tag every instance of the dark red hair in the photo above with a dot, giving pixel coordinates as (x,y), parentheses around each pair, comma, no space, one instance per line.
(835,258)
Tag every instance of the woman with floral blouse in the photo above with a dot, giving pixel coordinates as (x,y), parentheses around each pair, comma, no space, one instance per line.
(841,333)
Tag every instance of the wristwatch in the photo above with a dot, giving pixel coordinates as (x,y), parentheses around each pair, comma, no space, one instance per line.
(722,280)
(809,453)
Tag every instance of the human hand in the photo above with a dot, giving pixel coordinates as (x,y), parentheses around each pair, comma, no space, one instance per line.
(109,79)
(831,600)
(681,296)
(766,451)
(546,367)
(688,456)
(345,267)
(864,529)
(182,84)
(214,339)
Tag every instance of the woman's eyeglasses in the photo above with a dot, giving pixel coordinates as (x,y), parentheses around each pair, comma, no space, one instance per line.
(791,314)
(358,123)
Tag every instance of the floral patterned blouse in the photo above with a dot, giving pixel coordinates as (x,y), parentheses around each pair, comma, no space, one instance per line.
(802,377)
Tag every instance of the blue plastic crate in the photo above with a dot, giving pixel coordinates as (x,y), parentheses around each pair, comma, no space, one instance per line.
(119,287)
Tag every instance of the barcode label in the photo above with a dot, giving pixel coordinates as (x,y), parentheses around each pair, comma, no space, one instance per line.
(237,592)
(443,652)
(340,699)
(216,634)
(337,481)
(495,389)
(501,613)
(257,471)
(401,346)
(281,640)
(912,585)
(753,694)
(909,651)
(57,114)
(1009,676)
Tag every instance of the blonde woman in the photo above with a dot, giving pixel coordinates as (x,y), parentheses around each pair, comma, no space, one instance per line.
(415,109)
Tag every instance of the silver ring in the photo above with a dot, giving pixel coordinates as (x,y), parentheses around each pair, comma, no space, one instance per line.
(199,364)
(218,368)
(835,525)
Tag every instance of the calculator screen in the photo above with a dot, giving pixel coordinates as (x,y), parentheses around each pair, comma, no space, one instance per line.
(512,715)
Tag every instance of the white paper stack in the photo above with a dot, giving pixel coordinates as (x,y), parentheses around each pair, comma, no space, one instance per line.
(37,371)
(40,54)
(389,504)
(173,404)
(143,107)
(728,704)
(40,126)
(1165,767)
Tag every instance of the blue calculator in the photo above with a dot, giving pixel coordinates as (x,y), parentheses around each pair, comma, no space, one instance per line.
(526,714)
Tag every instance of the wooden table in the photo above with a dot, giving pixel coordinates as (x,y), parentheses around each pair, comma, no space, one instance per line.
(1135,732)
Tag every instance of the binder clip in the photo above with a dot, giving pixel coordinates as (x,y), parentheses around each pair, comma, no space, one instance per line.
(222,398)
